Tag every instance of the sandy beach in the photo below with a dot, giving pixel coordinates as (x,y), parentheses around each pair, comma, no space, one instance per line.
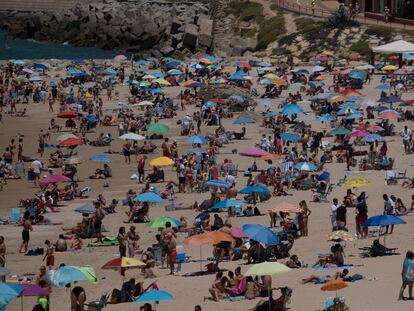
(377,291)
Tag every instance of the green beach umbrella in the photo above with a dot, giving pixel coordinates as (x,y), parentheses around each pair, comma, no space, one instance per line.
(159,222)
(340,131)
(144,83)
(158,128)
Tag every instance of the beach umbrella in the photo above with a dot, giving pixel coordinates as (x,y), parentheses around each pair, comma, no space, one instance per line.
(261,234)
(154,296)
(305,166)
(389,114)
(325,118)
(237,232)
(340,131)
(373,138)
(144,83)
(65,136)
(252,152)
(71,142)
(285,208)
(131,136)
(374,128)
(68,274)
(207,238)
(296,86)
(36,78)
(318,68)
(39,66)
(340,235)
(357,75)
(162,82)
(119,106)
(217,183)
(52,179)
(162,161)
(350,92)
(255,189)
(149,197)
(355,182)
(29,71)
(158,128)
(305,117)
(198,150)
(389,68)
(33,290)
(144,103)
(197,140)
(8,292)
(91,118)
(290,109)
(123,262)
(159,222)
(243,120)
(290,137)
(86,209)
(228,203)
(271,114)
(409,102)
(100,157)
(195,84)
(384,220)
(390,99)
(67,114)
(73,160)
(267,268)
(380,108)
(271,156)
(175,72)
(359,133)
(334,285)
(265,103)
(383,87)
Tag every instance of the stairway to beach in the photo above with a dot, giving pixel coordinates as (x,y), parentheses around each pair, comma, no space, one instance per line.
(36,5)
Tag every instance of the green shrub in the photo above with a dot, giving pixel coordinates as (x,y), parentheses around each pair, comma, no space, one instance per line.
(287,40)
(246,10)
(303,22)
(270,30)
(380,31)
(274,7)
(250,34)
(340,19)
(361,47)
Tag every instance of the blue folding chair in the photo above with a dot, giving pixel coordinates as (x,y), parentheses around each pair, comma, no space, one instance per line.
(15,215)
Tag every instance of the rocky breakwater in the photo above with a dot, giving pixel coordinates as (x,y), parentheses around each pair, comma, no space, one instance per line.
(161,26)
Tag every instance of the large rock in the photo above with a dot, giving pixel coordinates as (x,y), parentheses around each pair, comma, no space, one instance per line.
(205,37)
(190,37)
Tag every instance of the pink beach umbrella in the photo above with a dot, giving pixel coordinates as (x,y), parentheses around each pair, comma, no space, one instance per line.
(52,179)
(359,133)
(120,58)
(253,152)
(238,232)
(389,115)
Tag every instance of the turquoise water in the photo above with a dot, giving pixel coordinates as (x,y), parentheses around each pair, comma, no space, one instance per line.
(29,49)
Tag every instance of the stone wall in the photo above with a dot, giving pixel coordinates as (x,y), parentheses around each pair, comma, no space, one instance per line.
(163,26)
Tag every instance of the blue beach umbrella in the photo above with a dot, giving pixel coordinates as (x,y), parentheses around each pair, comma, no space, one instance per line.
(384,220)
(198,150)
(197,140)
(358,75)
(271,114)
(209,104)
(173,64)
(255,189)
(228,203)
(101,158)
(154,295)
(390,99)
(305,166)
(39,66)
(261,234)
(243,120)
(353,116)
(68,274)
(384,87)
(265,103)
(290,109)
(149,197)
(373,138)
(326,117)
(86,209)
(290,137)
(91,118)
(8,292)
(141,62)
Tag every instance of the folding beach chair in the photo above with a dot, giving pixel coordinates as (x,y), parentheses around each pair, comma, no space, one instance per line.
(391,178)
(15,215)
(98,305)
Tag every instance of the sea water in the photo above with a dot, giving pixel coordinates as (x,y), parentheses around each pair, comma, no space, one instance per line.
(31,49)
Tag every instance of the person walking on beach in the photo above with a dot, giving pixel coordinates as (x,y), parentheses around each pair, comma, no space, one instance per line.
(407,275)
(334,208)
(168,237)
(406,136)
(27,227)
(389,209)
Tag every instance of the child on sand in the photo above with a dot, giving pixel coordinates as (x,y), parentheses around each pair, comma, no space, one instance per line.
(49,256)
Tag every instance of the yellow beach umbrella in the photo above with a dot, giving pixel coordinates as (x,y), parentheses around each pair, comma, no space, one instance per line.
(161,161)
(279,82)
(205,61)
(271,76)
(390,68)
(328,53)
(267,268)
(162,82)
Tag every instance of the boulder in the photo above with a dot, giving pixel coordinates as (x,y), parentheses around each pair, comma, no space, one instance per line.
(205,37)
(190,37)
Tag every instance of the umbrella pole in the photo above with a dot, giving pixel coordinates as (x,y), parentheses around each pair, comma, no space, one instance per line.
(201,257)
(22,302)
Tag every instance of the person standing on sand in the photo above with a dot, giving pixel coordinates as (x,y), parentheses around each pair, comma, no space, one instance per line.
(49,257)
(97,221)
(2,256)
(141,168)
(168,237)
(27,227)
(407,275)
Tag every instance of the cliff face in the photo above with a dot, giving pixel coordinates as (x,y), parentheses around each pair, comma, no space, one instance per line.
(133,26)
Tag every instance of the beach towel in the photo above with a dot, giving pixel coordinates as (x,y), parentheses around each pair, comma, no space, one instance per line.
(237,298)
(321,268)
(107,241)
(407,214)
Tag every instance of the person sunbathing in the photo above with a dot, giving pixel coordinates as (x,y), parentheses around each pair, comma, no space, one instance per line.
(409,183)
(342,275)
(218,289)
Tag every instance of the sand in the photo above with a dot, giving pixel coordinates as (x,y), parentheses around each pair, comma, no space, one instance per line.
(378,292)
